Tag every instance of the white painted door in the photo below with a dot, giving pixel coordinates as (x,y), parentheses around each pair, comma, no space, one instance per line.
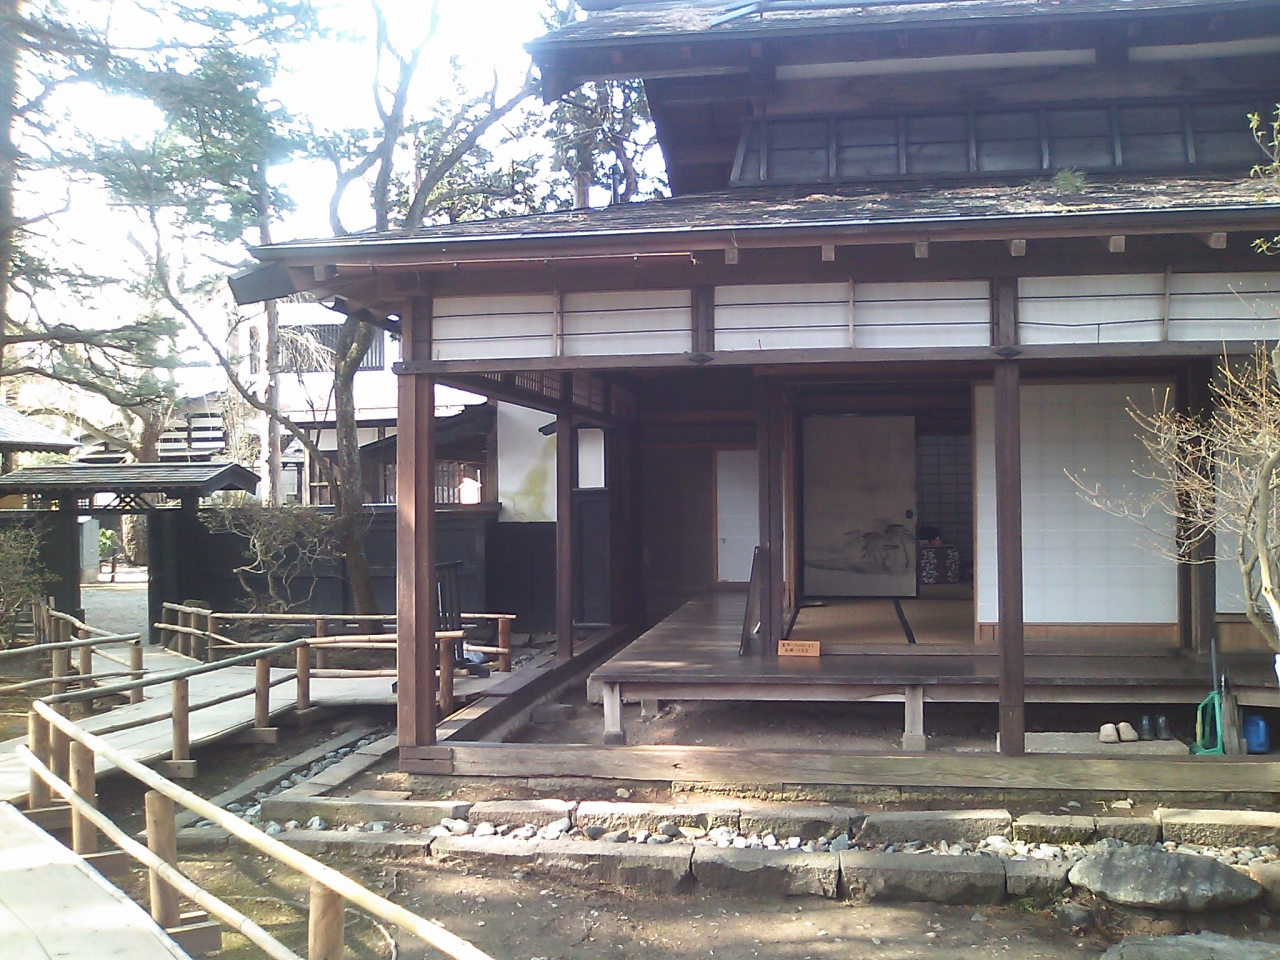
(860,506)
(737,513)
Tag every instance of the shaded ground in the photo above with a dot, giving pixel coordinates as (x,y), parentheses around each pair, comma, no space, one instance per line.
(117,607)
(524,916)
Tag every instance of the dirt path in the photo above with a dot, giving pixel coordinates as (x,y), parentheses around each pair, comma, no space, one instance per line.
(118,607)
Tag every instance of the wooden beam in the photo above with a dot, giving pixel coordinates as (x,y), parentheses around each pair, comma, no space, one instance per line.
(703,303)
(415,540)
(1202,569)
(1214,241)
(1004,307)
(731,254)
(566,442)
(1017,248)
(1008,452)
(769,451)
(922,249)
(828,253)
(1114,244)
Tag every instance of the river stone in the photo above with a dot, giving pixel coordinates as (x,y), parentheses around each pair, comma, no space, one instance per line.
(1159,880)
(1192,946)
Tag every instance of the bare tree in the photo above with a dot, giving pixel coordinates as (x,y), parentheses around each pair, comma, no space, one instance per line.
(1218,475)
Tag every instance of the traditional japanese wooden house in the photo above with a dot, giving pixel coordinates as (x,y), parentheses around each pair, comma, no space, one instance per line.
(919,262)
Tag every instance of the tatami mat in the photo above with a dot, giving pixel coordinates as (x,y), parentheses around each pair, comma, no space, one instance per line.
(875,621)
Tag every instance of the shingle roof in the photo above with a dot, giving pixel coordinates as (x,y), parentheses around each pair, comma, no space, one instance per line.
(863,209)
(22,433)
(172,479)
(682,18)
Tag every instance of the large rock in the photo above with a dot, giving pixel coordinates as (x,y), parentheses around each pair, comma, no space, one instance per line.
(1047,828)
(1220,828)
(933,825)
(795,820)
(1192,946)
(1268,874)
(1159,880)
(900,876)
(618,815)
(767,873)
(1038,879)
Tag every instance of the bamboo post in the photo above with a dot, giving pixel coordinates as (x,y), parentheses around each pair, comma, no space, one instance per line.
(322,655)
(262,693)
(38,792)
(60,748)
(211,626)
(181,719)
(304,678)
(162,840)
(504,645)
(136,670)
(60,666)
(325,921)
(446,676)
(84,836)
(86,667)
(166,636)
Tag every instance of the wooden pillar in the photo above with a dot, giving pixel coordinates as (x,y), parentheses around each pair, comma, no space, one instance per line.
(1008,452)
(181,720)
(136,671)
(84,836)
(566,457)
(416,603)
(769,450)
(38,792)
(304,678)
(162,840)
(1201,613)
(262,693)
(325,920)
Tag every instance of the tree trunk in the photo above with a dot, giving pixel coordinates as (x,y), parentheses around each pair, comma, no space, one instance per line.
(353,343)
(9,52)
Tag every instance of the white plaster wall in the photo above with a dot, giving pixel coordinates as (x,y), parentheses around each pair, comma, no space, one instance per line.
(591,459)
(782,316)
(928,314)
(526,465)
(737,513)
(1080,564)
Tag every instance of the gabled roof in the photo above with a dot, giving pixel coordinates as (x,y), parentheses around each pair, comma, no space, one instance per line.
(711,220)
(22,433)
(625,21)
(174,480)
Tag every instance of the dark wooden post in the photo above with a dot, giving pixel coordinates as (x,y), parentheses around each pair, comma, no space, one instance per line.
(566,457)
(416,602)
(768,448)
(1008,443)
(1200,617)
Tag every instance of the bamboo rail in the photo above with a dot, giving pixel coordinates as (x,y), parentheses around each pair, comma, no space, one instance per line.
(341,886)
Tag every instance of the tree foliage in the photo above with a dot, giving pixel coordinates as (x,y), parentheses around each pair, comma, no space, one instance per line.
(22,578)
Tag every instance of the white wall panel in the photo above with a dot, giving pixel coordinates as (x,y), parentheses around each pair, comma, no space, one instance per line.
(782,316)
(494,327)
(945,314)
(1107,309)
(1080,564)
(627,322)
(1224,306)
(737,513)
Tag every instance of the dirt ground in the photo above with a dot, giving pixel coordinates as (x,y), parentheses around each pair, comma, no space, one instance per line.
(118,607)
(525,916)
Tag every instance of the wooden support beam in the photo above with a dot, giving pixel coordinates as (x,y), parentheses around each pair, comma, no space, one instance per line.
(566,444)
(913,738)
(1114,244)
(922,249)
(325,920)
(1214,241)
(1008,453)
(416,604)
(38,792)
(828,253)
(1017,248)
(162,840)
(731,255)
(84,836)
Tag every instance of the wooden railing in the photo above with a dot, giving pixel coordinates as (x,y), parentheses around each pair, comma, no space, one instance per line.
(330,889)
(60,633)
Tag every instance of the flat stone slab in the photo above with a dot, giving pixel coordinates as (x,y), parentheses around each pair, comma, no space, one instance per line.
(766,873)
(1158,880)
(657,869)
(1220,828)
(520,812)
(1192,946)
(1047,828)
(339,843)
(1088,743)
(423,813)
(809,822)
(1140,831)
(619,815)
(907,877)
(932,825)
(1039,879)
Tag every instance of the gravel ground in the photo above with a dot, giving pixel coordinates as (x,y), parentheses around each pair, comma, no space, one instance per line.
(119,607)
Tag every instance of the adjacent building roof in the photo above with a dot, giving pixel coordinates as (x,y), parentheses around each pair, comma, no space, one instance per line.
(19,433)
(645,20)
(174,480)
(865,209)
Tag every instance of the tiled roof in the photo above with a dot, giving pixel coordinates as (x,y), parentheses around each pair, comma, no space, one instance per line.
(681,18)
(171,479)
(866,208)
(22,433)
